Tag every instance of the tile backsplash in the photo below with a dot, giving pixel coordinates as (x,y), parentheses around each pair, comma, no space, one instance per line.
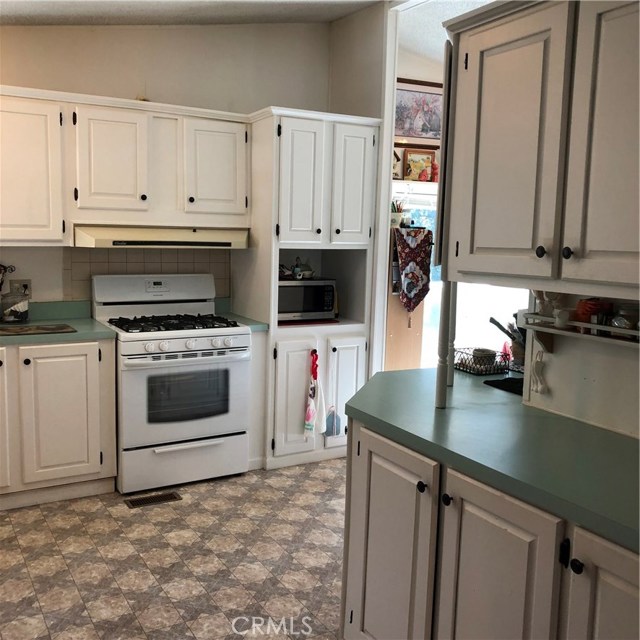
(80,264)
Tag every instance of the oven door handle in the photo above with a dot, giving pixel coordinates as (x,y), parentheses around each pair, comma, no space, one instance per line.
(191,445)
(183,362)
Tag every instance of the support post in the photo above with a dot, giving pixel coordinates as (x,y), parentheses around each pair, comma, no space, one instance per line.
(443,346)
(452,332)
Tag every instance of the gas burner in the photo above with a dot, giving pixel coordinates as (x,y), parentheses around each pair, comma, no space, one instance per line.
(178,322)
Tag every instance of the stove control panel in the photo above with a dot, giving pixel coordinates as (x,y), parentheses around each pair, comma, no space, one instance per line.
(235,342)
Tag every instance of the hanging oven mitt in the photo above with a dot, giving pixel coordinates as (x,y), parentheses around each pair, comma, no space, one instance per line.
(414,257)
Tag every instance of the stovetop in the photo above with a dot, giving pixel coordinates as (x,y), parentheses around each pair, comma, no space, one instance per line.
(175,322)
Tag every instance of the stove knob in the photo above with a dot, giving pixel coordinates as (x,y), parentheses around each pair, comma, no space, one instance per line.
(228,342)
(149,347)
(190,344)
(163,346)
(216,342)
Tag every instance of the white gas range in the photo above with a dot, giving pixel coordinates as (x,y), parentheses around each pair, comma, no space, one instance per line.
(183,379)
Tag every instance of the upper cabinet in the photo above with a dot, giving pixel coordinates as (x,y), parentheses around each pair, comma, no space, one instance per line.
(533,201)
(112,158)
(215,160)
(30,171)
(327,182)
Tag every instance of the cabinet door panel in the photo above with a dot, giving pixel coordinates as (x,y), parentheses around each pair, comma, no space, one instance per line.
(353,183)
(601,220)
(603,600)
(391,541)
(302,156)
(4,422)
(510,111)
(59,401)
(292,384)
(30,170)
(346,374)
(498,576)
(215,166)
(112,159)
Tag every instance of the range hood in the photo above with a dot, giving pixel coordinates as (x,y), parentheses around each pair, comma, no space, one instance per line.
(159,237)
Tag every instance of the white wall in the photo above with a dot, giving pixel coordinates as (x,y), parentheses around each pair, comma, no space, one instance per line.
(418,68)
(226,67)
(43,266)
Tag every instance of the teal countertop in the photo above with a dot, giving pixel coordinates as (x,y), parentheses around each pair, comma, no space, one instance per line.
(584,474)
(254,325)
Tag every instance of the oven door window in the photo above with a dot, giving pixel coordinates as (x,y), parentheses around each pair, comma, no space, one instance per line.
(179,397)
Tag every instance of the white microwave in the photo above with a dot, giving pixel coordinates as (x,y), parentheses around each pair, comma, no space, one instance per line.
(307,300)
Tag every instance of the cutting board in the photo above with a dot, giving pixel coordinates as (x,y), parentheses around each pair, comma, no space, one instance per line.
(34,329)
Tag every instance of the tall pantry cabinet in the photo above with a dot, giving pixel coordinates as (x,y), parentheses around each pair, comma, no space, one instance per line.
(314,177)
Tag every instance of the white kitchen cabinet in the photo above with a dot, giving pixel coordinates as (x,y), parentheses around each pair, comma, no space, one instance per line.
(346,364)
(30,171)
(112,158)
(327,182)
(603,589)
(5,461)
(292,373)
(391,540)
(499,574)
(215,165)
(60,410)
(506,180)
(600,242)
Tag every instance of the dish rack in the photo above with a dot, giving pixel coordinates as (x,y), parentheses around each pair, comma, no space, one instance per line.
(480,365)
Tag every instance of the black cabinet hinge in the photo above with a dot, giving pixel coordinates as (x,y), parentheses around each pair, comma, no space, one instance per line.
(246,202)
(346,429)
(273,444)
(358,452)
(101,458)
(366,345)
(277,229)
(75,194)
(246,137)
(369,231)
(275,353)
(351,617)
(457,247)
(565,552)
(99,355)
(374,139)
(64,226)
(75,118)
(279,130)
(61,118)
(466,60)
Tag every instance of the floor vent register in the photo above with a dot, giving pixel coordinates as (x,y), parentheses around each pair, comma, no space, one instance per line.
(156,498)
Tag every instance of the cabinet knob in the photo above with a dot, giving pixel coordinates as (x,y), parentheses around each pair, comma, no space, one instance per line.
(27,361)
(337,231)
(143,196)
(567,252)
(318,231)
(1,363)
(192,199)
(446,499)
(541,252)
(334,349)
(421,486)
(576,566)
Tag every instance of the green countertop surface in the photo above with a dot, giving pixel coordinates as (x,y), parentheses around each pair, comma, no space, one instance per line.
(584,474)
(254,325)
(87,329)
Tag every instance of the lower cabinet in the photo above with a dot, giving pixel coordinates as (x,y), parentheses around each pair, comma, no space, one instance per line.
(498,572)
(57,415)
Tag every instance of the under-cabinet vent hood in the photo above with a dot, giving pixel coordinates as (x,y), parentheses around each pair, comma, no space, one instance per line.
(159,237)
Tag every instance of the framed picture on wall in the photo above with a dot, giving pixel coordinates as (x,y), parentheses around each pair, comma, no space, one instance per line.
(419,164)
(418,116)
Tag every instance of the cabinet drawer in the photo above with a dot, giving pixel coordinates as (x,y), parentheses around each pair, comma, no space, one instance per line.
(183,462)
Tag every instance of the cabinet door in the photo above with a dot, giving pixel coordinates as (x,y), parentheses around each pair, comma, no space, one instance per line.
(601,219)
(499,568)
(302,156)
(292,385)
(59,402)
(30,170)
(391,547)
(603,599)
(215,157)
(506,187)
(4,422)
(112,152)
(346,363)
(354,173)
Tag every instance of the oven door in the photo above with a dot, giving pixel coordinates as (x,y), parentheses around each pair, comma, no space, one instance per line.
(182,399)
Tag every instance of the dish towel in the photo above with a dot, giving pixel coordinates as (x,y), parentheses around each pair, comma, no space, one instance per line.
(414,257)
(314,415)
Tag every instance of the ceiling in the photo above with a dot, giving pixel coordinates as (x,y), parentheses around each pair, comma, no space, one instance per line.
(177,12)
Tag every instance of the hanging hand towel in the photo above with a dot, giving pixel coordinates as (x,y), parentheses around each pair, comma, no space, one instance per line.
(315,411)
(414,256)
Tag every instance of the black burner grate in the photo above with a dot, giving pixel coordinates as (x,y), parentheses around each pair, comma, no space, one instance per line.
(156,498)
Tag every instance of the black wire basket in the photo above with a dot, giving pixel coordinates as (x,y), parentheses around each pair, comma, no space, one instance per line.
(480,362)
